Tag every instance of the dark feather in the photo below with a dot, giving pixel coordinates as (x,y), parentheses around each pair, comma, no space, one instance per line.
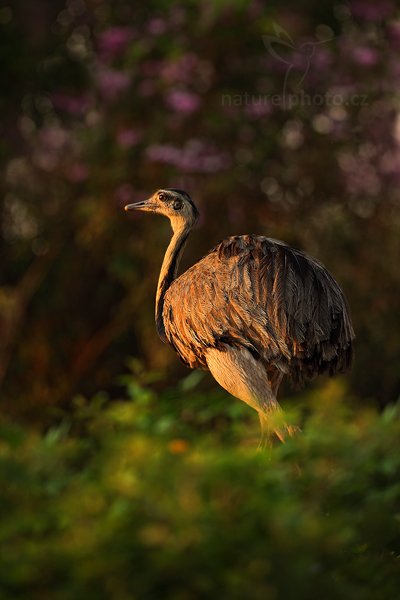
(274,300)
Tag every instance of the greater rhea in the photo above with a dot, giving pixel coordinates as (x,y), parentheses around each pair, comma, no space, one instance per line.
(251,311)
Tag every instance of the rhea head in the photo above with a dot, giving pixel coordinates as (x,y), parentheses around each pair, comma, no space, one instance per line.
(175,204)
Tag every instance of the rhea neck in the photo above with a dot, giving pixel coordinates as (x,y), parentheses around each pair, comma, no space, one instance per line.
(169,269)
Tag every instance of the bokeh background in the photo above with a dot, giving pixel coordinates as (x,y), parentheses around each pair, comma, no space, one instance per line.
(123,475)
(278,120)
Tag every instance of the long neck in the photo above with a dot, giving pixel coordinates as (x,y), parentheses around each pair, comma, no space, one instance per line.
(169,272)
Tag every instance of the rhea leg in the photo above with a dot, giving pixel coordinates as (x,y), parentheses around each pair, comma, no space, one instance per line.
(246,378)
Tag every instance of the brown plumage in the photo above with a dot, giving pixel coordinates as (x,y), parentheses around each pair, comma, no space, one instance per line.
(252,310)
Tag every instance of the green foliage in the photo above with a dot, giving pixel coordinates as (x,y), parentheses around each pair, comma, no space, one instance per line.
(132,500)
(102,102)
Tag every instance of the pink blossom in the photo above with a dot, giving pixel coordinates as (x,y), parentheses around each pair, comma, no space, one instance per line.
(182,69)
(156,26)
(166,153)
(389,162)
(195,157)
(54,143)
(112,83)
(258,108)
(365,56)
(113,41)
(183,101)
(126,138)
(54,138)
(393,34)
(371,10)
(74,104)
(322,58)
(360,174)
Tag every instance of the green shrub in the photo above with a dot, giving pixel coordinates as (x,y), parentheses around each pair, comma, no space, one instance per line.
(131,501)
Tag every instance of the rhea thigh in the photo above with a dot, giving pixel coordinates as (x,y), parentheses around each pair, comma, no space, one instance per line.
(246,378)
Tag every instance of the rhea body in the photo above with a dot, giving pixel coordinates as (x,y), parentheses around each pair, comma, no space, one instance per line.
(251,311)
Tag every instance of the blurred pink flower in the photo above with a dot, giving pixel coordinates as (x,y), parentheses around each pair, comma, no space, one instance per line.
(166,153)
(183,101)
(360,174)
(113,41)
(322,57)
(112,83)
(126,138)
(258,108)
(54,144)
(74,104)
(365,56)
(182,69)
(196,157)
(156,26)
(393,34)
(371,10)
(54,138)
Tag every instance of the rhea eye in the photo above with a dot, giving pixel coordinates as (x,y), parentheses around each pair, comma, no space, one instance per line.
(177,205)
(161,196)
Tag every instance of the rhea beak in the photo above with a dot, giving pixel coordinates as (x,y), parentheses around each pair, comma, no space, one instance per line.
(142,205)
